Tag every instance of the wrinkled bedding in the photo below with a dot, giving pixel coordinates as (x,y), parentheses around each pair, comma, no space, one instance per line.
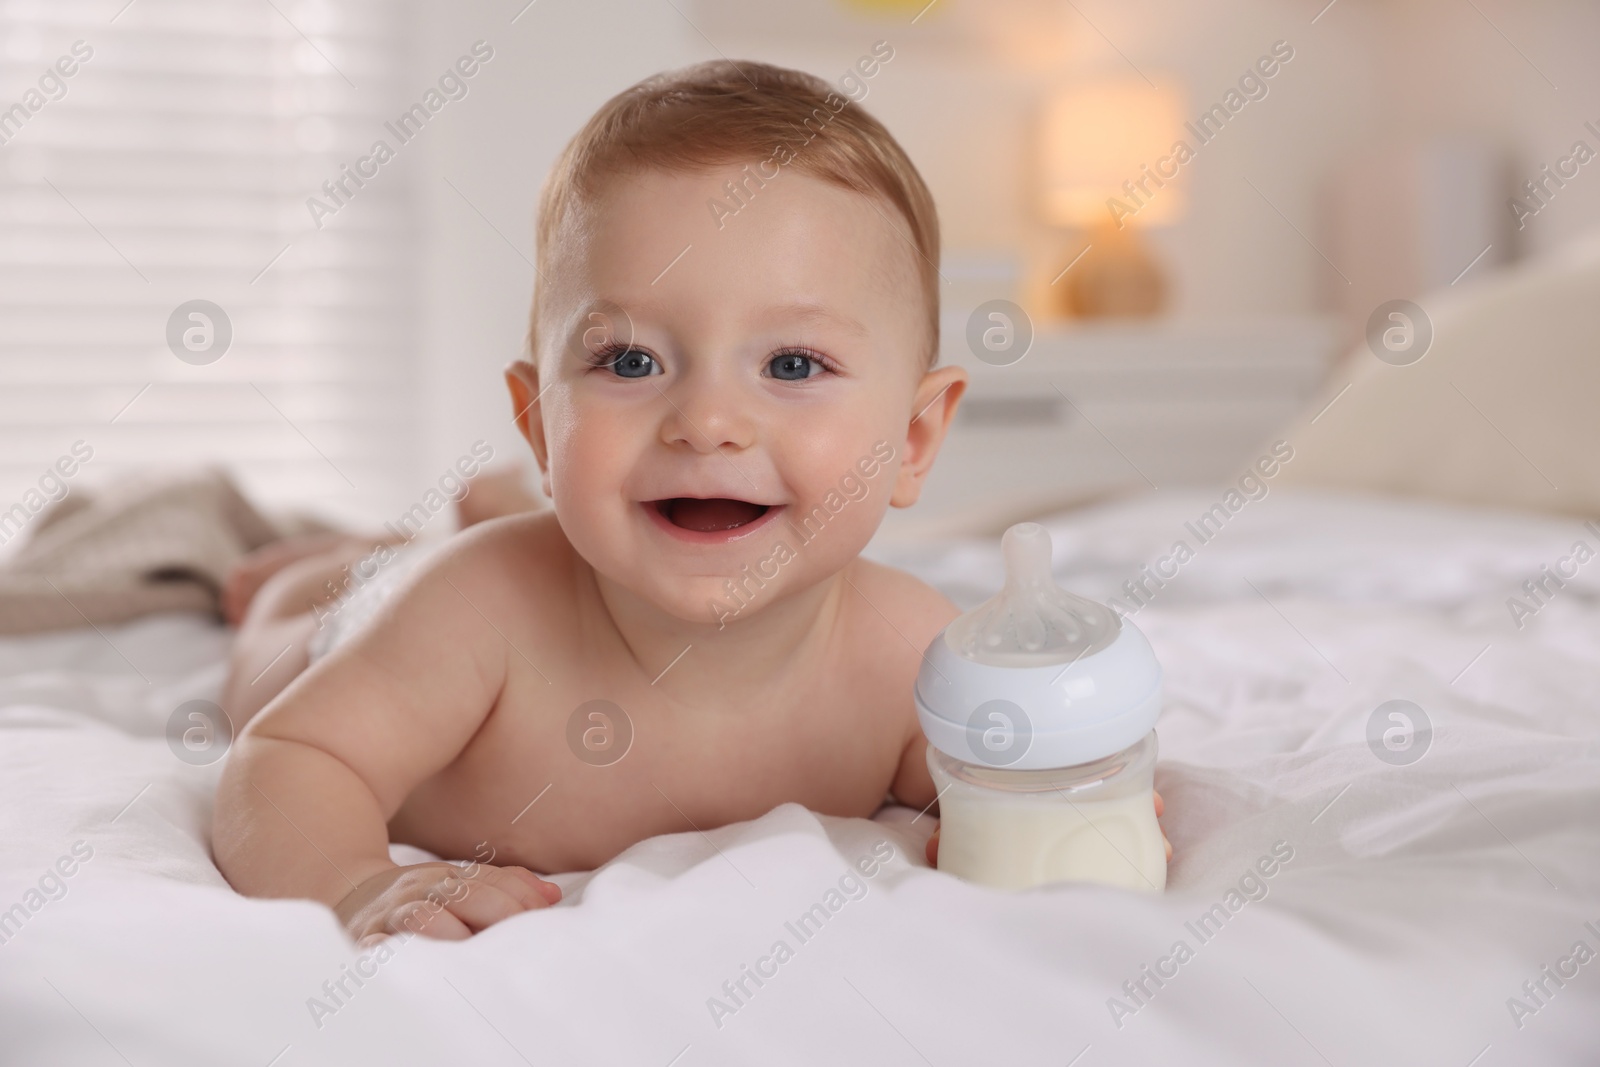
(1422,902)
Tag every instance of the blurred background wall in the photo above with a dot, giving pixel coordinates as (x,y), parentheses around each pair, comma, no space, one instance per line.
(366,358)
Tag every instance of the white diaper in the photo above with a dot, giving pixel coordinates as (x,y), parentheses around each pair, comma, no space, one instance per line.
(359,603)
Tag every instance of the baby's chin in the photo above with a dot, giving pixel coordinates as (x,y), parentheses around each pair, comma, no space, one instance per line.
(720,601)
(741,587)
(750,586)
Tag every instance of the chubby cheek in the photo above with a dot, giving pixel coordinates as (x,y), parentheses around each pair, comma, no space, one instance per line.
(838,510)
(590,458)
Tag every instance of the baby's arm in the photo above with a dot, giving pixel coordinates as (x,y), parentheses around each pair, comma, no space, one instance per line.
(913,787)
(304,802)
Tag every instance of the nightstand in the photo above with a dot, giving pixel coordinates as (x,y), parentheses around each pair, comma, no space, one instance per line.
(1096,410)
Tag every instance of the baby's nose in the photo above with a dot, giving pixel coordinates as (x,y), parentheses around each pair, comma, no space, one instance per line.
(708,417)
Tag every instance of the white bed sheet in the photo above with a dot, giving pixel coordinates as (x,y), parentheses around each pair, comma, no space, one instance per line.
(1419,899)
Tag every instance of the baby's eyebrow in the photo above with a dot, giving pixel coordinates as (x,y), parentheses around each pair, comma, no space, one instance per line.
(610,319)
(808,313)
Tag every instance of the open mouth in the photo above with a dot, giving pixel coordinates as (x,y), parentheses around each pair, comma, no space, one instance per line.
(717,515)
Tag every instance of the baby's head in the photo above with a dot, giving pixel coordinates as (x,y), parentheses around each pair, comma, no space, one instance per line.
(733,337)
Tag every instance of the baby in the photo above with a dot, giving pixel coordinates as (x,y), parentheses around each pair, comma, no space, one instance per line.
(733,337)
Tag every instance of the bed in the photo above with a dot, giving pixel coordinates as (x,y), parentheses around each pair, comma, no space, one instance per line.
(1418,899)
(1422,902)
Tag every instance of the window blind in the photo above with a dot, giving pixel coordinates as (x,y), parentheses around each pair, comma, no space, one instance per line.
(155,154)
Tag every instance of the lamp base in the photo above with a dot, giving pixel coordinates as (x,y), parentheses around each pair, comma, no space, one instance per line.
(1116,278)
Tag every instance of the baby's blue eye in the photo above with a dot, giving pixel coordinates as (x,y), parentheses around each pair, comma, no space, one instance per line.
(633,363)
(793,366)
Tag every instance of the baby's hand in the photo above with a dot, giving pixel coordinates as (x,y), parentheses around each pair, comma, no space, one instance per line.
(932,848)
(441,900)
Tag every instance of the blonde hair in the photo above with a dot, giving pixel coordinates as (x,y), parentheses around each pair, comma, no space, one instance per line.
(724,112)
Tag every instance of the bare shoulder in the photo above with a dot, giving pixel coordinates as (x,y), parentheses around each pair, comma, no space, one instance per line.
(528,545)
(894,617)
(514,579)
(911,605)
(403,695)
(898,616)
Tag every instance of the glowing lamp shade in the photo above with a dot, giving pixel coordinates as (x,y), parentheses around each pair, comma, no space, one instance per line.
(1095,137)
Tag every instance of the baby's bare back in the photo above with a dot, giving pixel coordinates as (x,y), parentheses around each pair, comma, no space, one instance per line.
(464,708)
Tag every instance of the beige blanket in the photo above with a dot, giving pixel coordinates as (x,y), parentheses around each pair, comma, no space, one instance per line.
(158,542)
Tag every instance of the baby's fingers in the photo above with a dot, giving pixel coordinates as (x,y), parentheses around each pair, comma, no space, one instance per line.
(418,917)
(482,905)
(515,877)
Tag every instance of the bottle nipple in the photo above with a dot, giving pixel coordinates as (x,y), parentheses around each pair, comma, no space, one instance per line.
(1031,622)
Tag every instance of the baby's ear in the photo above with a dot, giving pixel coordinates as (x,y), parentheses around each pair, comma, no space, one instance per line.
(522,378)
(932,410)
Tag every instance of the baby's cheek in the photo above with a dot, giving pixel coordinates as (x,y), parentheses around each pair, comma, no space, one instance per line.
(832,530)
(589,462)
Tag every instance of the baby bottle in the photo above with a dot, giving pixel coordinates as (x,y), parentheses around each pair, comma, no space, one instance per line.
(1039,707)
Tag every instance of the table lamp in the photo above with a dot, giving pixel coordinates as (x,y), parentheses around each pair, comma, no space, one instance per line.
(1107,170)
